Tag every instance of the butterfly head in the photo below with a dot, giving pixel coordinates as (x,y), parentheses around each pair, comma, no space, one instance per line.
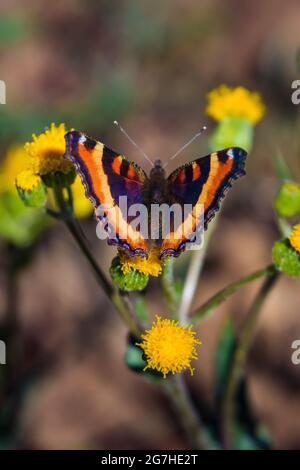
(157,170)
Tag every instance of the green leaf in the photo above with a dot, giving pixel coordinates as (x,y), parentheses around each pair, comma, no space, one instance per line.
(248,432)
(178,290)
(287,201)
(244,440)
(285,258)
(224,356)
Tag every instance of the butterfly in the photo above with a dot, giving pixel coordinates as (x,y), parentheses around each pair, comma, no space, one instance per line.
(108,176)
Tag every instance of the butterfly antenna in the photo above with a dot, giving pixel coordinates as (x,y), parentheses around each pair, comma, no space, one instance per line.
(187,144)
(133,142)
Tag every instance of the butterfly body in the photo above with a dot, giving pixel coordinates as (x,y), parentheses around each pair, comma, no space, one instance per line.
(157,184)
(108,177)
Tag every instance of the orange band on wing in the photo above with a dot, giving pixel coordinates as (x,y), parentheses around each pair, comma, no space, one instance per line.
(196,171)
(217,173)
(116,165)
(93,162)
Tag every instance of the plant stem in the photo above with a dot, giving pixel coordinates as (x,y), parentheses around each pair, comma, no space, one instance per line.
(175,389)
(100,276)
(223,294)
(193,274)
(114,296)
(132,311)
(190,285)
(284,227)
(117,300)
(239,358)
(168,285)
(125,314)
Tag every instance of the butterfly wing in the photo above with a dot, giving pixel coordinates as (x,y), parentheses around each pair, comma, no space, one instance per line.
(201,183)
(107,177)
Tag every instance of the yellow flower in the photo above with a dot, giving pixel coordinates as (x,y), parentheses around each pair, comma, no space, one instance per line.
(169,347)
(28,181)
(151,266)
(15,160)
(46,151)
(295,237)
(82,206)
(225,101)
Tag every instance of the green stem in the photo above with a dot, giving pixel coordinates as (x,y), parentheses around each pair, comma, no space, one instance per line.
(125,314)
(100,276)
(139,326)
(190,286)
(114,296)
(239,359)
(176,390)
(223,294)
(168,286)
(193,274)
(284,227)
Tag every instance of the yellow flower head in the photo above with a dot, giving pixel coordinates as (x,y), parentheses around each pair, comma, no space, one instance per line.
(169,347)
(295,237)
(27,180)
(46,151)
(82,206)
(15,160)
(151,266)
(225,101)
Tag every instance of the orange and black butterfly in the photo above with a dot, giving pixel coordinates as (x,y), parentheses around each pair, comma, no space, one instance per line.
(107,176)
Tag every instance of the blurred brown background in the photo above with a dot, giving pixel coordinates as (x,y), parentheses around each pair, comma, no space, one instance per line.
(148,65)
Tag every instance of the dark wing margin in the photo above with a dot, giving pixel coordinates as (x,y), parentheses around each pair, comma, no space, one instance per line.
(204,181)
(107,176)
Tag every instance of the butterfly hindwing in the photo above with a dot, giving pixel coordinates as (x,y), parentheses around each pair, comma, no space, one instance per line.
(107,176)
(201,183)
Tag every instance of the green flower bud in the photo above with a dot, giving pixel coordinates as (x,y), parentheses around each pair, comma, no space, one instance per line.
(287,201)
(232,131)
(134,358)
(135,361)
(285,258)
(60,179)
(31,189)
(133,280)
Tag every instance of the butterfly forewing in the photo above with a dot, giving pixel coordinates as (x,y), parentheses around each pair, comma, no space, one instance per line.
(113,184)
(202,185)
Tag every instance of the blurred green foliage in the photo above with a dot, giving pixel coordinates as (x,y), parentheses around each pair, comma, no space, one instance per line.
(14,27)
(19,224)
